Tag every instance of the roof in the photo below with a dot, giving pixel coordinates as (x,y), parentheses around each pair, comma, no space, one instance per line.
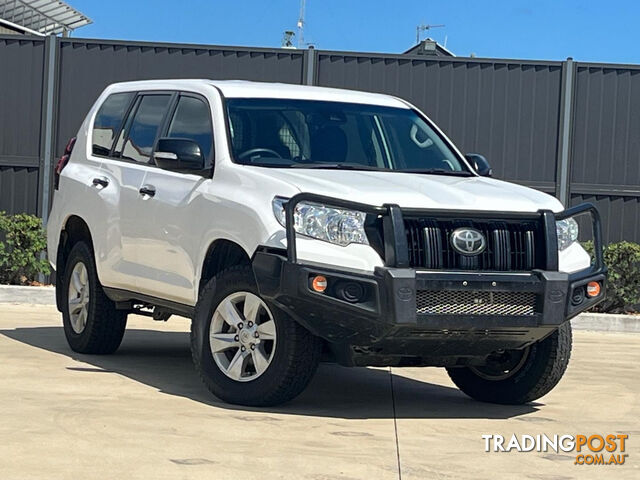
(41,17)
(419,49)
(246,89)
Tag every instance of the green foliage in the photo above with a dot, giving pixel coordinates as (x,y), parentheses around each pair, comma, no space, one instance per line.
(22,240)
(623,281)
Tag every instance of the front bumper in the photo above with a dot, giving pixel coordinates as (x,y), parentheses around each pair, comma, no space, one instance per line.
(388,323)
(395,319)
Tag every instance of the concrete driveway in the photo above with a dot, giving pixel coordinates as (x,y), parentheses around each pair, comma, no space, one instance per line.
(143,414)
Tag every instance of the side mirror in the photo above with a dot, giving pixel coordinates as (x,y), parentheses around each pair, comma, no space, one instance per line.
(179,155)
(480,164)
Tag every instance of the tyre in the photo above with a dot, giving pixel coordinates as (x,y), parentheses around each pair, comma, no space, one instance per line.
(246,351)
(518,376)
(91,322)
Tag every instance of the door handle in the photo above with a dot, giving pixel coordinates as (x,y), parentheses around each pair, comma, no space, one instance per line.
(148,190)
(101,181)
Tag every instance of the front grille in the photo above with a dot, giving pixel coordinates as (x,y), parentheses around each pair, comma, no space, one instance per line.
(467,302)
(511,245)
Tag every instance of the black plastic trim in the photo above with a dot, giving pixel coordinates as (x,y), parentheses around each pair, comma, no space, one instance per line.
(551,239)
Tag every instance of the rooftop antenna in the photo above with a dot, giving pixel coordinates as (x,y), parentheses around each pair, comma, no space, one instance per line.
(423,28)
(301,24)
(287,39)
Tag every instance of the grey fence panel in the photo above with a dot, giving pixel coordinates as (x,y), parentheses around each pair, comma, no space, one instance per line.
(21,70)
(507,110)
(605,154)
(87,66)
(18,189)
(606,135)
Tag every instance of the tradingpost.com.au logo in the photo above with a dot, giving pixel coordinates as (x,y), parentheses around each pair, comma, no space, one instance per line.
(605,449)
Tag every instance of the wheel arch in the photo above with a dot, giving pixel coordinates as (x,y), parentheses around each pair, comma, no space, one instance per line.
(220,255)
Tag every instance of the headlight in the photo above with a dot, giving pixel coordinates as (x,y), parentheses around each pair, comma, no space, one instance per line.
(333,225)
(567,231)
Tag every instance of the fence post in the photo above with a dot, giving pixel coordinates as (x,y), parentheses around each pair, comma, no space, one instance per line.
(310,71)
(565,132)
(47,131)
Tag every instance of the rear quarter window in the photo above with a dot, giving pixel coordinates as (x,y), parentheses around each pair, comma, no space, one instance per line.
(108,121)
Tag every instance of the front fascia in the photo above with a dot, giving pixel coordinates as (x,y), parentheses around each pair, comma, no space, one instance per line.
(388,312)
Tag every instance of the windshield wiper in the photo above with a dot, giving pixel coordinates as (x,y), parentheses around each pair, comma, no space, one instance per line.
(337,166)
(439,171)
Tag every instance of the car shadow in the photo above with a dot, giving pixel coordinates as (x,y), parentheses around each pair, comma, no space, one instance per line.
(163,360)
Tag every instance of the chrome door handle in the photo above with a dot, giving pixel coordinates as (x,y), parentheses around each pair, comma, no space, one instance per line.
(148,190)
(101,181)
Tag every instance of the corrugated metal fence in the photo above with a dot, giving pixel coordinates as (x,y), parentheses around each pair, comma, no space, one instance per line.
(567,128)
(21,85)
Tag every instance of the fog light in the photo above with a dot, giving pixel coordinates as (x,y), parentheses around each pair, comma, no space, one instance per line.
(319,283)
(577,297)
(593,289)
(351,292)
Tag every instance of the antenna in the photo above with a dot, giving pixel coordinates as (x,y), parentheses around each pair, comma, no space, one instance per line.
(287,39)
(424,28)
(301,24)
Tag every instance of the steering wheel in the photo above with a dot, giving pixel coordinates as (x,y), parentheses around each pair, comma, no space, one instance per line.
(251,151)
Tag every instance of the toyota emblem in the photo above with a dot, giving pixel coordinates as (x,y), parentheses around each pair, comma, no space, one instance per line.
(468,241)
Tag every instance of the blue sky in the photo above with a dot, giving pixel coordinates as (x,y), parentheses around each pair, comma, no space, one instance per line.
(586,30)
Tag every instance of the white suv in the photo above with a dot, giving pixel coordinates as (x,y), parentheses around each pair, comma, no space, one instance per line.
(292,223)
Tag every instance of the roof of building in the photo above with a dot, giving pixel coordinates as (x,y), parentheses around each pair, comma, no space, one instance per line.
(41,17)
(435,49)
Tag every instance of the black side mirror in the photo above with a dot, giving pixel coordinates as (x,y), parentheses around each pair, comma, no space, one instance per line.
(480,164)
(179,155)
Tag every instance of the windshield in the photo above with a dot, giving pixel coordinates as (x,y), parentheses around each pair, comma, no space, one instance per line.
(318,134)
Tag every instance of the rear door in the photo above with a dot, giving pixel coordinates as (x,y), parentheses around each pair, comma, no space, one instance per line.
(101,203)
(169,260)
(124,170)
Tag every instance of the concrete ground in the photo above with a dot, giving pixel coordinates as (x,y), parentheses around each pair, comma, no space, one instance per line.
(143,414)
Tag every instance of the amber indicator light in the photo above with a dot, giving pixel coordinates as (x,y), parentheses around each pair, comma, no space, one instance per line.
(319,283)
(593,289)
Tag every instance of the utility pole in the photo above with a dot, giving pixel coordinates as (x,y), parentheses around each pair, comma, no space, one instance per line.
(423,28)
(301,24)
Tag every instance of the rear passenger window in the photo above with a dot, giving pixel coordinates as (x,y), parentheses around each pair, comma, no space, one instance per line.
(108,121)
(144,127)
(192,120)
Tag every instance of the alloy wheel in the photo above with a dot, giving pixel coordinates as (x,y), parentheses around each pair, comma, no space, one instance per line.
(79,298)
(242,336)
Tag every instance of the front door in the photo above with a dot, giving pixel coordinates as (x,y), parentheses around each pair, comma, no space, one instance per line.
(171,216)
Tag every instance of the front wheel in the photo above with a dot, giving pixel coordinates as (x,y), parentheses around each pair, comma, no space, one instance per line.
(246,351)
(518,376)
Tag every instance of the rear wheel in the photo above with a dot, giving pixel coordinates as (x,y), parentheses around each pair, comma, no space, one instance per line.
(518,376)
(91,322)
(246,351)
